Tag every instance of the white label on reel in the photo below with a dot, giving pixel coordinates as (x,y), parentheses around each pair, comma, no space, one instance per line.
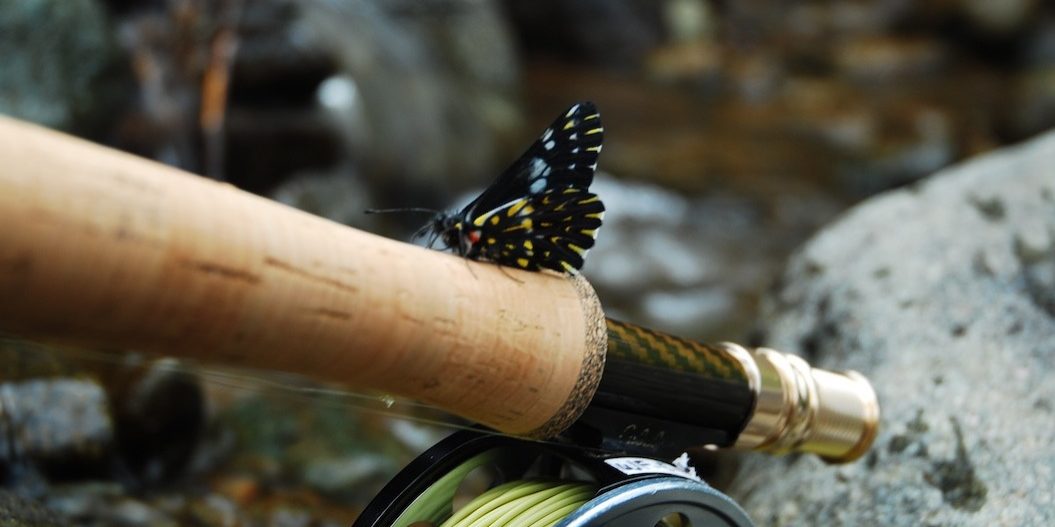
(644,465)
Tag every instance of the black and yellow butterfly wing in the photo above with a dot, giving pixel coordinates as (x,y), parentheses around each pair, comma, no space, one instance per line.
(539,213)
(565,155)
(552,230)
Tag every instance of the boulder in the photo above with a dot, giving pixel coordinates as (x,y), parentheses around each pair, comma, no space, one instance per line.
(943,294)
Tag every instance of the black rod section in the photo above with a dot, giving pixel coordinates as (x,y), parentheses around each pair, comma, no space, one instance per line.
(660,394)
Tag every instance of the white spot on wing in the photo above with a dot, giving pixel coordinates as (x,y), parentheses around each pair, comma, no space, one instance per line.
(539,167)
(546,136)
(573,137)
(550,144)
(538,185)
(572,110)
(539,170)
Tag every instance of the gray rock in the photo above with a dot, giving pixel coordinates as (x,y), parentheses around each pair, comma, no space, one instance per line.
(944,296)
(54,421)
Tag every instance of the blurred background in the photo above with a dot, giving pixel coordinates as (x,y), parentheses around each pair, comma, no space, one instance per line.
(733,131)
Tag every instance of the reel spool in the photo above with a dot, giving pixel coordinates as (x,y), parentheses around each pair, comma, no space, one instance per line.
(545,485)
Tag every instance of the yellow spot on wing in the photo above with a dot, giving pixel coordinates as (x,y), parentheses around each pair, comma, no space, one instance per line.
(567,267)
(526,224)
(590,232)
(522,262)
(528,210)
(528,245)
(516,208)
(592,116)
(494,220)
(491,241)
(596,215)
(595,131)
(594,148)
(569,124)
(578,250)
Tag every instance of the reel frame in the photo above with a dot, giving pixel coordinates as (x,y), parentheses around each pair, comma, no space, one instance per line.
(631,491)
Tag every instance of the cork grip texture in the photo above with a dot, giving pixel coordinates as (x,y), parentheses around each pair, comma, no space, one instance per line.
(102,248)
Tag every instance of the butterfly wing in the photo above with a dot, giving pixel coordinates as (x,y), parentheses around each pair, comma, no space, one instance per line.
(565,155)
(550,230)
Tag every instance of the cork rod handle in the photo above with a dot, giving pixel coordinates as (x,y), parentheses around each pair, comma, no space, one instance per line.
(102,248)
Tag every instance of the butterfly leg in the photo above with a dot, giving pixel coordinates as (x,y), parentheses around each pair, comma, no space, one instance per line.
(495,260)
(469,267)
(463,248)
(511,277)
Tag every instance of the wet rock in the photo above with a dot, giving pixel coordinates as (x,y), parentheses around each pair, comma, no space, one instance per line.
(941,295)
(61,64)
(62,425)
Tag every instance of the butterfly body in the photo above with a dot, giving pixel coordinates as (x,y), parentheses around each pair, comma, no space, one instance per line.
(538,214)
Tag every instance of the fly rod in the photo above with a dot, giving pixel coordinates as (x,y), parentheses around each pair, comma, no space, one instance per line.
(103,249)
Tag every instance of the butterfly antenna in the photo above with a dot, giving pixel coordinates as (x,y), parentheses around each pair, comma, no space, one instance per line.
(401,209)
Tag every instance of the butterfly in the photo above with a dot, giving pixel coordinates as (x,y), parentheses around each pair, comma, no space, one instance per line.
(539,213)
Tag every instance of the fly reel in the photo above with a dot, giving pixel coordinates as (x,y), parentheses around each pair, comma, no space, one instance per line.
(544,485)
